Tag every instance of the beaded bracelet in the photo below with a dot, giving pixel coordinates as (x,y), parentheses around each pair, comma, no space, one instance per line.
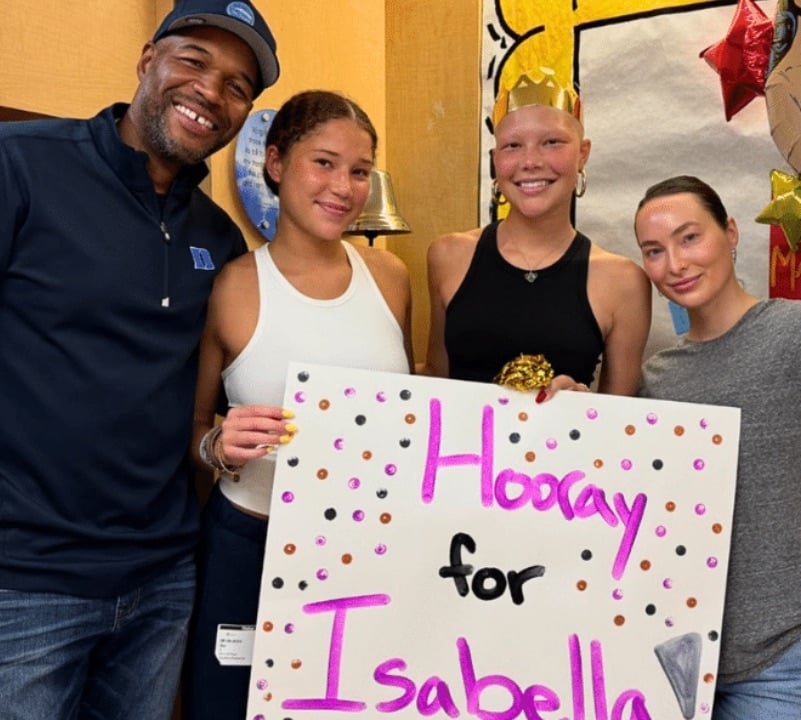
(210,452)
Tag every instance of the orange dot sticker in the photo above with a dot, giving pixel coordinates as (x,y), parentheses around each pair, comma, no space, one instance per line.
(581,585)
(717,528)
(366,455)
(630,430)
(523,416)
(268,696)
(678,431)
(670,506)
(347,559)
(645,565)
(324,404)
(296,664)
(709,678)
(620,620)
(717,439)
(531,456)
(267,627)
(410,419)
(691,602)
(289,548)
(322,473)
(385,518)
(598,463)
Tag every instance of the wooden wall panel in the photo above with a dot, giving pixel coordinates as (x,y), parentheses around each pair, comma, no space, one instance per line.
(71,58)
(433,113)
(327,45)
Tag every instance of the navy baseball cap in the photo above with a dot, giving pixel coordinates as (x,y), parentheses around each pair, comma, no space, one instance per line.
(238,17)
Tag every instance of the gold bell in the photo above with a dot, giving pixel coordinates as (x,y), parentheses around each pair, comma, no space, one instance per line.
(380,215)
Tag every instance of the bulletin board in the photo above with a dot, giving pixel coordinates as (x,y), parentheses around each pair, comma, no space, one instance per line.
(453,549)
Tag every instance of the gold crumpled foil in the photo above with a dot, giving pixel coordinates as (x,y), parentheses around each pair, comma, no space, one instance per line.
(526,372)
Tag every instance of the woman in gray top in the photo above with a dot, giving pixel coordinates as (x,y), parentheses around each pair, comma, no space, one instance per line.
(741,352)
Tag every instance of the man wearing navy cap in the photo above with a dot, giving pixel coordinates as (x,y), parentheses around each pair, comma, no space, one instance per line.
(108,251)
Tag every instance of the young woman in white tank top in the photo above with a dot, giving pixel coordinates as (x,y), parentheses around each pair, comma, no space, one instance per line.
(306,295)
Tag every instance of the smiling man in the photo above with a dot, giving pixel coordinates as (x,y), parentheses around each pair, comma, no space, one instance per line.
(108,251)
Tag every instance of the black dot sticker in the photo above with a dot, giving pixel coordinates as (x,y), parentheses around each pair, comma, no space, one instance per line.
(303,376)
(713,635)
(330,514)
(278,583)
(361,420)
(269,662)
(681,550)
(405,442)
(586,554)
(650,609)
(302,585)
(657,464)
(292,462)
(575,434)
(382,493)
(405,394)
(514,438)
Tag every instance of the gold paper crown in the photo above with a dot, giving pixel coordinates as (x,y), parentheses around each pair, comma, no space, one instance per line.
(545,91)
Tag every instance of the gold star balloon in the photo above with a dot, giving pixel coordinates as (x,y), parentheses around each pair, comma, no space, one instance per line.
(741,58)
(785,207)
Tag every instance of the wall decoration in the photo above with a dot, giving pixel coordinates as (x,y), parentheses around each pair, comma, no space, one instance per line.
(451,549)
(259,202)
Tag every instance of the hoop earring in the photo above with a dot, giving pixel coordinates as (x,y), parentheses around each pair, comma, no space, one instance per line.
(581,183)
(497,195)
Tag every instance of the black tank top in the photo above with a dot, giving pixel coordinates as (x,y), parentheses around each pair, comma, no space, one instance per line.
(496,315)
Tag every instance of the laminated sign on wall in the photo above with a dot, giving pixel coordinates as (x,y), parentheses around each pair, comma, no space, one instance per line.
(440,548)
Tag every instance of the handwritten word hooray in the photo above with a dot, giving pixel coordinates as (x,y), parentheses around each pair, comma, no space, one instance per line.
(542,491)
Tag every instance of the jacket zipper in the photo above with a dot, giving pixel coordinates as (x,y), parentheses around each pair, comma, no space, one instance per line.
(165,282)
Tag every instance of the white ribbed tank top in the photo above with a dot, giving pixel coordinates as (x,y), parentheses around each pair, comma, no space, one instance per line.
(356,330)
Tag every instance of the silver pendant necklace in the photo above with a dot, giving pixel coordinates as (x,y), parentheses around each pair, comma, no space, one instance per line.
(531,275)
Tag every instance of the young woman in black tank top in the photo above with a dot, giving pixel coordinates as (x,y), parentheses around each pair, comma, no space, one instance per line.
(530,284)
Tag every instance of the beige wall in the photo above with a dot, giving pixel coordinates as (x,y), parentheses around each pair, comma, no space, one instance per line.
(433,111)
(333,45)
(412,64)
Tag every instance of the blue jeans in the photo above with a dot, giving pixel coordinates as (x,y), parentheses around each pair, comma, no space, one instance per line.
(71,658)
(774,694)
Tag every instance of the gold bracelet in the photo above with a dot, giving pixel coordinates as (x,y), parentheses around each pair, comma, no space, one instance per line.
(210,451)
(219,461)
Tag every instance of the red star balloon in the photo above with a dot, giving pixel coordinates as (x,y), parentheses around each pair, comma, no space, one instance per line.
(741,58)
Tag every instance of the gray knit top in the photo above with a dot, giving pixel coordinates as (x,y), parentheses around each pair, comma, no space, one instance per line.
(755,366)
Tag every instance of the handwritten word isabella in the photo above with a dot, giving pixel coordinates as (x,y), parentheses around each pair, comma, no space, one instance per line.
(434,694)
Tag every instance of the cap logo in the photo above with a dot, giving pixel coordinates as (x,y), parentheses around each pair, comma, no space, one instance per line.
(241,11)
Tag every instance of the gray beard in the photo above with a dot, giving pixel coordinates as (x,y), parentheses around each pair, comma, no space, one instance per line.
(159,139)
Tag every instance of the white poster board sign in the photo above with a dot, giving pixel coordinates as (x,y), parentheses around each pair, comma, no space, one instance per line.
(441,548)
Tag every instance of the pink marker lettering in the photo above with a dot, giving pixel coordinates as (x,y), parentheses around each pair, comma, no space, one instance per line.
(474,687)
(340,607)
(631,518)
(434,460)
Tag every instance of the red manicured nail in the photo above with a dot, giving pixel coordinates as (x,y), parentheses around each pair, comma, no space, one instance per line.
(541,395)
